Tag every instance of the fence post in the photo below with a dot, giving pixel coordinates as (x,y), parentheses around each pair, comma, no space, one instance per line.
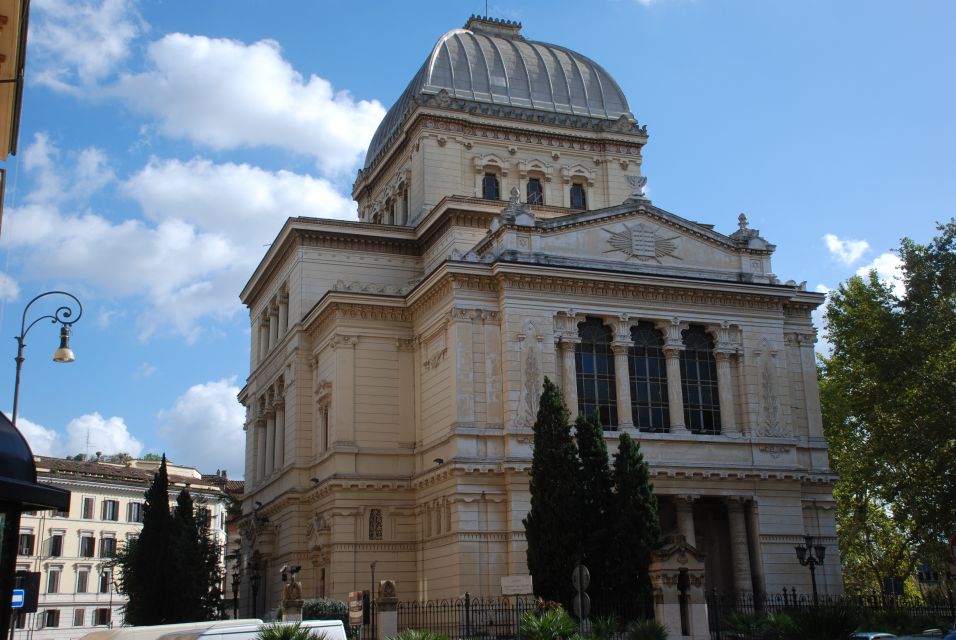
(716,613)
(467,615)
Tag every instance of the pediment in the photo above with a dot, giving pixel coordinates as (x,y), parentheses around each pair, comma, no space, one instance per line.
(637,237)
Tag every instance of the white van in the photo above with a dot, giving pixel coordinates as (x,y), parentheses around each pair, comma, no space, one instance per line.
(214,630)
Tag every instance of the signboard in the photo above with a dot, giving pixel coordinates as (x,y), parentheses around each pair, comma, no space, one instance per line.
(17,598)
(355,608)
(516,585)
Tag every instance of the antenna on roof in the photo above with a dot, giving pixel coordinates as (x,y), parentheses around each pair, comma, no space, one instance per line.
(486,8)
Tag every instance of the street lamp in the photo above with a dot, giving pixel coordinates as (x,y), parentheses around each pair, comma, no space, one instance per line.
(236,580)
(255,578)
(64,316)
(811,555)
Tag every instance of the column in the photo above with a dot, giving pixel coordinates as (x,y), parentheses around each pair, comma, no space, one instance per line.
(283,314)
(263,336)
(623,380)
(739,548)
(725,393)
(273,326)
(685,518)
(260,450)
(675,397)
(280,434)
(270,442)
(569,376)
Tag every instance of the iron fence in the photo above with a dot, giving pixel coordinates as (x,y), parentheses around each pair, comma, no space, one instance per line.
(467,617)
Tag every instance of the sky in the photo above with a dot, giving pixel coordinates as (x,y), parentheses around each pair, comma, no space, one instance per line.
(164,143)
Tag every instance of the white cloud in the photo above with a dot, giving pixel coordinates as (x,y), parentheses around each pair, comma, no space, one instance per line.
(226,94)
(76,43)
(144,370)
(203,428)
(56,181)
(889,269)
(207,227)
(92,432)
(846,251)
(42,441)
(9,289)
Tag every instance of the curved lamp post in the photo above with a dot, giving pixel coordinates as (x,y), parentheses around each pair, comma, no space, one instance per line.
(236,581)
(64,316)
(811,555)
(255,578)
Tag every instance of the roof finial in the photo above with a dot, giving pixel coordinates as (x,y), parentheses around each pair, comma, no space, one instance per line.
(742,222)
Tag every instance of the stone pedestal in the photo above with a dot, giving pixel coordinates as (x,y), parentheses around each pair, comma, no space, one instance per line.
(386,610)
(677,577)
(292,610)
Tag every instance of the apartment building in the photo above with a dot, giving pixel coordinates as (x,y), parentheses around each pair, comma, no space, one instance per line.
(73,551)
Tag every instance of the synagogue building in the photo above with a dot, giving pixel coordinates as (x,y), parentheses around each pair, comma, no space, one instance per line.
(504,235)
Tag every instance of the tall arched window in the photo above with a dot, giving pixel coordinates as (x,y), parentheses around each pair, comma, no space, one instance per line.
(534,191)
(594,364)
(578,197)
(648,369)
(489,187)
(698,372)
(375,524)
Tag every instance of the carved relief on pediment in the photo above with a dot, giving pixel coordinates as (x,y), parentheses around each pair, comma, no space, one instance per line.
(643,242)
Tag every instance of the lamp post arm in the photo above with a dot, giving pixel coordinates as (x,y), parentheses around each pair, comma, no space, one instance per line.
(63,315)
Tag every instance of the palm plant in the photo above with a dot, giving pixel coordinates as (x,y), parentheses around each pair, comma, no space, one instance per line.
(419,634)
(279,631)
(550,624)
(645,630)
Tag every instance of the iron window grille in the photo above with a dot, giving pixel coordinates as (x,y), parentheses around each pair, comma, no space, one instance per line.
(489,187)
(534,192)
(578,196)
(648,377)
(698,371)
(594,366)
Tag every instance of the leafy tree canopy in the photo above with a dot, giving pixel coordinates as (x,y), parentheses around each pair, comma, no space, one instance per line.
(888,393)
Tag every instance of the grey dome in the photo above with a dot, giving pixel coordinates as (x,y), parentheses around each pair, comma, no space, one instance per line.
(489,62)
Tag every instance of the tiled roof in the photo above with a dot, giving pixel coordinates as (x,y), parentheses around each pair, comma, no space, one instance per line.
(113,472)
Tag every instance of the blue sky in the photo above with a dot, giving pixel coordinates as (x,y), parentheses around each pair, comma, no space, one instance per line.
(164,143)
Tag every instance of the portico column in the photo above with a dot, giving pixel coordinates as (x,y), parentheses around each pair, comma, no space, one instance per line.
(270,442)
(283,315)
(675,397)
(569,378)
(725,392)
(273,326)
(260,450)
(739,548)
(623,381)
(685,518)
(263,336)
(280,434)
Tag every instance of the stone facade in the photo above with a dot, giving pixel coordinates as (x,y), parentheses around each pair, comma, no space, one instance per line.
(397,360)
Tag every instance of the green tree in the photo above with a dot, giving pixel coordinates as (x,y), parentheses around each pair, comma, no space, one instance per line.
(595,490)
(636,528)
(144,561)
(888,392)
(552,524)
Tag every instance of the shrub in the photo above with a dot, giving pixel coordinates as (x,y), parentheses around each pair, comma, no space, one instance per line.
(645,630)
(550,624)
(604,628)
(278,631)
(325,609)
(419,634)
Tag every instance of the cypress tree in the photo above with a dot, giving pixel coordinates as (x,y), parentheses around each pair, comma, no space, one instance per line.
(596,492)
(636,528)
(552,526)
(186,604)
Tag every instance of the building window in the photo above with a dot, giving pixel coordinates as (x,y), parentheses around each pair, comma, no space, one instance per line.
(25,545)
(88,504)
(134,512)
(375,524)
(698,372)
(101,617)
(534,191)
(204,517)
(51,618)
(82,580)
(489,187)
(53,580)
(110,510)
(79,617)
(594,365)
(56,545)
(87,544)
(648,375)
(106,576)
(61,514)
(108,547)
(578,196)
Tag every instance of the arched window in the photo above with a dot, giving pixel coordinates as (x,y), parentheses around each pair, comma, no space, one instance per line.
(375,524)
(534,191)
(648,369)
(578,196)
(698,372)
(489,187)
(594,364)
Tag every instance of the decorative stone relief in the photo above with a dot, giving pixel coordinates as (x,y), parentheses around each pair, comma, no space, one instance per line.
(435,346)
(371,287)
(774,450)
(642,242)
(637,184)
(770,422)
(529,342)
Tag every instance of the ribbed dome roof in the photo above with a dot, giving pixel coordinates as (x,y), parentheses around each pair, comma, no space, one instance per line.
(490,62)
